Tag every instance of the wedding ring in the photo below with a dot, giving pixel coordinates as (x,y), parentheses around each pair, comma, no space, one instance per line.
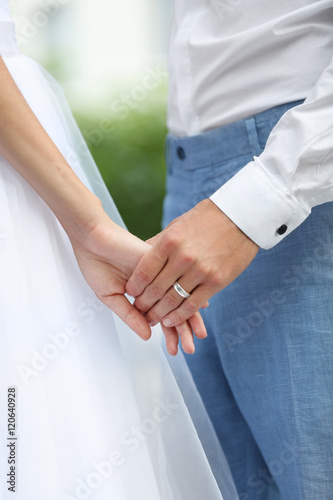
(180,290)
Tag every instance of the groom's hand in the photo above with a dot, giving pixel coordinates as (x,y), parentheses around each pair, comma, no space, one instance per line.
(203,250)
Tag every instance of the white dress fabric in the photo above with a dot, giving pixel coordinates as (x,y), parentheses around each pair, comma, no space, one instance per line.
(5,11)
(98,412)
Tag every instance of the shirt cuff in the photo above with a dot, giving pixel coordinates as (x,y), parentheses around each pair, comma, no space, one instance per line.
(263,211)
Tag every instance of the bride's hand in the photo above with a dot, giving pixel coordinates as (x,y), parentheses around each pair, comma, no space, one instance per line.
(107,256)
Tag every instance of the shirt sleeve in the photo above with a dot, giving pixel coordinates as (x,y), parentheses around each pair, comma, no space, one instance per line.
(274,194)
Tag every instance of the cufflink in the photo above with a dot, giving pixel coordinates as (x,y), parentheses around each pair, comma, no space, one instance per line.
(282,229)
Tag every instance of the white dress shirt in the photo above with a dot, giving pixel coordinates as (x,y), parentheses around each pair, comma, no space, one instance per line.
(230,59)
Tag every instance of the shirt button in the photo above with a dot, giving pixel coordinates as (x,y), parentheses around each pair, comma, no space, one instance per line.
(181,153)
(282,229)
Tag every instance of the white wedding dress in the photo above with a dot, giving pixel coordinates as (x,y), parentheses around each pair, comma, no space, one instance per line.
(87,409)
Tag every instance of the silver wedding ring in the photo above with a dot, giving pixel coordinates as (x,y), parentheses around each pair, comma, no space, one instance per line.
(180,290)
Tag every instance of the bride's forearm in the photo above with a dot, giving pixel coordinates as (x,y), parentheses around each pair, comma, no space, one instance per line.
(26,145)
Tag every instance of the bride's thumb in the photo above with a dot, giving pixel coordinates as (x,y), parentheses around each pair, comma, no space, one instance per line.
(152,241)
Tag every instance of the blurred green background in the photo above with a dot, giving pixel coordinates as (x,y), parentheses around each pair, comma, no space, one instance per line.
(131,160)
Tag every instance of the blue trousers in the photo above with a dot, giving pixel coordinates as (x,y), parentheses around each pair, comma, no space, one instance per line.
(265,372)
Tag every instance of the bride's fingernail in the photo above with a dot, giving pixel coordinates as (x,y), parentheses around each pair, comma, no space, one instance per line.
(167,322)
(152,323)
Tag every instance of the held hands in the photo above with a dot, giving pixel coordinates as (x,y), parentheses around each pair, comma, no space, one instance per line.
(203,250)
(107,256)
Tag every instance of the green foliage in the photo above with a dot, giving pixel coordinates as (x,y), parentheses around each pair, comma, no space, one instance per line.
(129,152)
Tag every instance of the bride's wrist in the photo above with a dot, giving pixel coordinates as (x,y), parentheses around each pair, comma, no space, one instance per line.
(76,207)
(81,216)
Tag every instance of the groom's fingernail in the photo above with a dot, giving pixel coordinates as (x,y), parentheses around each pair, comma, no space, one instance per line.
(152,323)
(167,322)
